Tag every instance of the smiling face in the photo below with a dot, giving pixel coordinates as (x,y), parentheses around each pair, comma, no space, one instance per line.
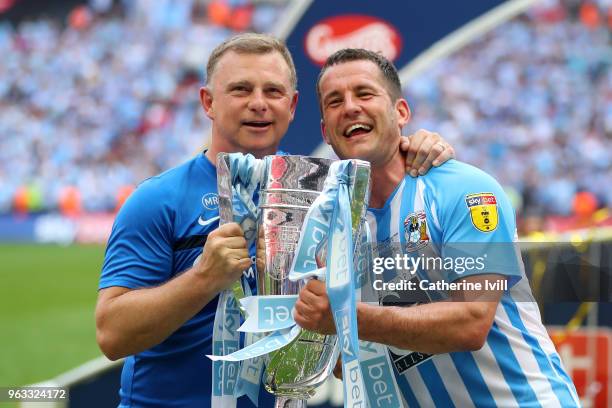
(360,119)
(251,101)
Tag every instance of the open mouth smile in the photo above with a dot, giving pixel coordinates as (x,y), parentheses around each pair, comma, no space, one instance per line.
(357,129)
(256,124)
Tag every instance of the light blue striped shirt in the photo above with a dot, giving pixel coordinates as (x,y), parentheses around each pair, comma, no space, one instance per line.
(458,204)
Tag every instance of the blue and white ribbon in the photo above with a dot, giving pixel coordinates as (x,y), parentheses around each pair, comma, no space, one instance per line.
(340,284)
(265,314)
(226,339)
(268,313)
(328,222)
(251,370)
(268,344)
(249,377)
(246,175)
(314,234)
(379,376)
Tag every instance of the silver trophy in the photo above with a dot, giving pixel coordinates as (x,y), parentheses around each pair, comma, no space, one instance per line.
(289,185)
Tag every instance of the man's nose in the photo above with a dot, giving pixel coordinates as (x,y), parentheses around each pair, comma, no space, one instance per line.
(258,102)
(351,106)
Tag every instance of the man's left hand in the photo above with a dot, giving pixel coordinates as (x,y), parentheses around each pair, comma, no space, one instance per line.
(312,309)
(424,149)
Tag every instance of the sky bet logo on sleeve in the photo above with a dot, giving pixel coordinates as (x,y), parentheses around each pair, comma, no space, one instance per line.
(483,211)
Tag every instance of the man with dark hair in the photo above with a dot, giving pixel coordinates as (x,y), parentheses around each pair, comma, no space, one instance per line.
(484,346)
(158,289)
(387,70)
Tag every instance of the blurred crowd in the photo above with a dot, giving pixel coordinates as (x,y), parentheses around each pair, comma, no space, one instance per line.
(91,106)
(531,103)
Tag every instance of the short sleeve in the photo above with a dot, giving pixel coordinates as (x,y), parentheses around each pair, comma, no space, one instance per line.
(477,223)
(139,251)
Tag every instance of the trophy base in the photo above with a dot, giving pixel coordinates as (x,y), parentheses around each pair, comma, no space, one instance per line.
(289,402)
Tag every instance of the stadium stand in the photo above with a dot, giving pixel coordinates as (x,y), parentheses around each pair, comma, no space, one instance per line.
(106,100)
(531,103)
(91,106)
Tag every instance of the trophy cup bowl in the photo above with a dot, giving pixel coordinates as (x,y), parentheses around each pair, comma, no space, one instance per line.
(290,185)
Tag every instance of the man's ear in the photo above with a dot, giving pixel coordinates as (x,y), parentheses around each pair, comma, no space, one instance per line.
(402,111)
(323,132)
(206,100)
(294,100)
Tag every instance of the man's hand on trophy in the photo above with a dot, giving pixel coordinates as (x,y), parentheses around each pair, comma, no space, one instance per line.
(424,149)
(225,256)
(312,309)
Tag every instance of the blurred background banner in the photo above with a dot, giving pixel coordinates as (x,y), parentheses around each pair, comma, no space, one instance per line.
(400,30)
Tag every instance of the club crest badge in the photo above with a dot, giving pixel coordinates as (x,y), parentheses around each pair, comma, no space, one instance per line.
(483,211)
(415,231)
